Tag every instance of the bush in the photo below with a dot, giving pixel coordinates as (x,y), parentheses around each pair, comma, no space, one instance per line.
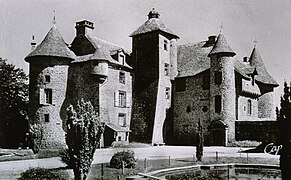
(246,143)
(65,157)
(39,174)
(125,156)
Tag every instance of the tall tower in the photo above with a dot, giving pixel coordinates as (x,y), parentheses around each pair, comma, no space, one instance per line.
(154,54)
(222,92)
(48,72)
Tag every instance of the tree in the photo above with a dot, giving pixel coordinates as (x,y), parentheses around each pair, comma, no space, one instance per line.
(84,131)
(13,103)
(200,142)
(284,122)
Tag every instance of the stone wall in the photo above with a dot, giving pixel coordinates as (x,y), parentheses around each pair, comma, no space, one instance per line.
(190,106)
(265,131)
(57,70)
(243,113)
(81,84)
(108,109)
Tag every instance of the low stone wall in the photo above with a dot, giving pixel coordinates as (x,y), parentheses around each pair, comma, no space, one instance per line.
(256,130)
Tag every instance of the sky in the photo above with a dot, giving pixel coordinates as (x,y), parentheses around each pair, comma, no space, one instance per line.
(243,22)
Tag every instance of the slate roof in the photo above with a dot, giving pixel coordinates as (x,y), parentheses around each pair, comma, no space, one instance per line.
(151,25)
(221,46)
(104,50)
(52,45)
(117,128)
(193,59)
(256,62)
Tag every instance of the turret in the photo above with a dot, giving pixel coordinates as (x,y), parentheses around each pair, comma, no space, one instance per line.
(49,63)
(222,91)
(100,64)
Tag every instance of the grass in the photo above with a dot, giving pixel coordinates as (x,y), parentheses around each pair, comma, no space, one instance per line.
(152,165)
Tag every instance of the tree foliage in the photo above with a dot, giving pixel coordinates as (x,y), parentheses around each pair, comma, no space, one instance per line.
(125,158)
(84,131)
(284,121)
(13,103)
(200,142)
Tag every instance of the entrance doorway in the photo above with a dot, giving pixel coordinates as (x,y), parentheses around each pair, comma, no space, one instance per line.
(219,133)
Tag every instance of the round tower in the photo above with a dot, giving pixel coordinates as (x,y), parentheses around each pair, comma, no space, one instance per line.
(48,72)
(222,92)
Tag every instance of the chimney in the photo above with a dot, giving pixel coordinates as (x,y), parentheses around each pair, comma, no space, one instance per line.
(33,43)
(84,28)
(245,59)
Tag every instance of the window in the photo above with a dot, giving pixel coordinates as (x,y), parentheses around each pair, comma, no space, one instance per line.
(122,77)
(217,104)
(167,93)
(205,82)
(249,105)
(126,136)
(119,138)
(167,69)
(188,109)
(180,84)
(122,59)
(217,77)
(165,45)
(48,96)
(121,119)
(46,118)
(122,99)
(47,78)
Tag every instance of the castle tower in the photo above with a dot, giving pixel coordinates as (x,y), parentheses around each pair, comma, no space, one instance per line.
(266,84)
(154,57)
(48,72)
(222,92)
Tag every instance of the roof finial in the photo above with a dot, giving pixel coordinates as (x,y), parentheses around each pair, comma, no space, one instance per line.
(54,18)
(255,42)
(221,28)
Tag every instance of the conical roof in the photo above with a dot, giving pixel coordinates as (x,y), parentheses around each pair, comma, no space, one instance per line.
(99,54)
(152,24)
(221,46)
(263,75)
(52,45)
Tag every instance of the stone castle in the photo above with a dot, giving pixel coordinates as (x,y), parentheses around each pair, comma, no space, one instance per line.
(155,93)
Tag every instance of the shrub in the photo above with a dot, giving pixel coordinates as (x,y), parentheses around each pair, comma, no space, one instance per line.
(35,137)
(246,143)
(65,157)
(84,131)
(39,174)
(127,157)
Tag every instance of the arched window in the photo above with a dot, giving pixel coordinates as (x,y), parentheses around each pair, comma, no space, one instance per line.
(249,107)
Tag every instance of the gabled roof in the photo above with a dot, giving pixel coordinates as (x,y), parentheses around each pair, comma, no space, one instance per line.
(117,128)
(257,64)
(153,24)
(103,52)
(193,59)
(52,45)
(100,55)
(221,46)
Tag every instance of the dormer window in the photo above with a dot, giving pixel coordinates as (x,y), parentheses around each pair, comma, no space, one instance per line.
(165,45)
(122,59)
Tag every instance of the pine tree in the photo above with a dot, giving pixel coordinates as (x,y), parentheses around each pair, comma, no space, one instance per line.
(84,131)
(200,142)
(284,122)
